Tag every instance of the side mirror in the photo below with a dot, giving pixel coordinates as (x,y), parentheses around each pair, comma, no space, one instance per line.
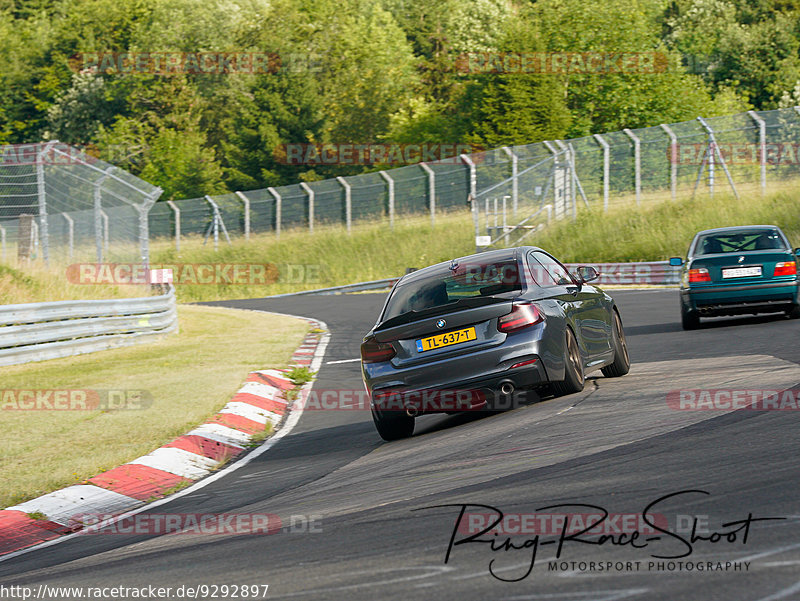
(677,261)
(586,273)
(797,251)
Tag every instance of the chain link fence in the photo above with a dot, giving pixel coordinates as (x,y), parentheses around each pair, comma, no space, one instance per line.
(515,191)
(58,202)
(87,208)
(738,154)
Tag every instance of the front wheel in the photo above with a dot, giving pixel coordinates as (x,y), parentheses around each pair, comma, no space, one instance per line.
(793,312)
(573,368)
(622,362)
(393,425)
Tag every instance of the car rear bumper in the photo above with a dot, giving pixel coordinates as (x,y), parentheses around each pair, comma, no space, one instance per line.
(740,299)
(465,394)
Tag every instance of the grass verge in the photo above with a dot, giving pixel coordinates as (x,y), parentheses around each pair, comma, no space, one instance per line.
(190,376)
(656,230)
(659,231)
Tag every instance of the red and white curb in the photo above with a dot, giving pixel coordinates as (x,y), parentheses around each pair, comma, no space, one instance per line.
(147,481)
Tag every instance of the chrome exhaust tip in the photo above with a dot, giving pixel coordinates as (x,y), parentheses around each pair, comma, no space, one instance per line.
(506,388)
(412,412)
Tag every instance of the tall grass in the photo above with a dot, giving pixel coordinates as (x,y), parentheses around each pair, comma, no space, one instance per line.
(659,231)
(655,230)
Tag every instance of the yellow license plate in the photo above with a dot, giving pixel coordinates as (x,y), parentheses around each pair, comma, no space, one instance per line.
(446,339)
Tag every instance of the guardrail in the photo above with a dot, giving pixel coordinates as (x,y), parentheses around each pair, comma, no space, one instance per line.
(657,273)
(40,331)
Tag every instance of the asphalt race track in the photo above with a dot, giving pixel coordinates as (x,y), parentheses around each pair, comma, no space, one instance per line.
(618,446)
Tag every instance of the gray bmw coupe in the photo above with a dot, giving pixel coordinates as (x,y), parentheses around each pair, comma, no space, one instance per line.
(470,333)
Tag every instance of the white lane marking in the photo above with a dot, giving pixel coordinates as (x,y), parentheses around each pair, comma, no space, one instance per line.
(260,389)
(178,461)
(432,571)
(770,552)
(251,412)
(342,361)
(608,595)
(779,564)
(783,593)
(63,506)
(290,423)
(497,571)
(220,433)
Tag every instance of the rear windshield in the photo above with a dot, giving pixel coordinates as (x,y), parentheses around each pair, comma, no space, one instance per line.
(450,285)
(734,242)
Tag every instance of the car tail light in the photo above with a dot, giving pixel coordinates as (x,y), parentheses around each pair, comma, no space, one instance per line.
(373,351)
(521,316)
(699,275)
(786,268)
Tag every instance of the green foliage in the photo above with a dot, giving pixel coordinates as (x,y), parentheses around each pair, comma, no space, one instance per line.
(300,375)
(367,71)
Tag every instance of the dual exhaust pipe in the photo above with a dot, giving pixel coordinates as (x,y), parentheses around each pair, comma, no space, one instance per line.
(506,389)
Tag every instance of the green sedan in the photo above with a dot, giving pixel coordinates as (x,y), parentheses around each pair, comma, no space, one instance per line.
(738,270)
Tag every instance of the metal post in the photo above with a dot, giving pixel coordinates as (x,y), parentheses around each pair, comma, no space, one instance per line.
(713,149)
(348,202)
(278,210)
(98,209)
(431,191)
(217,223)
(576,182)
(390,184)
(3,243)
(637,163)
(106,235)
(246,202)
(514,177)
(473,206)
(557,171)
(144,226)
(71,234)
(762,148)
(310,193)
(473,173)
(42,197)
(570,175)
(673,160)
(177,212)
(35,238)
(606,167)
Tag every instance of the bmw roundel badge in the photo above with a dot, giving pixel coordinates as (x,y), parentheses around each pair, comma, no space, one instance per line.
(441,323)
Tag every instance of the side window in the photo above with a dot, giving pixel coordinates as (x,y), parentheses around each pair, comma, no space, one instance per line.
(540,275)
(558,273)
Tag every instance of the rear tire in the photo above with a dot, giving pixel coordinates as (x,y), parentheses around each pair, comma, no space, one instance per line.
(689,319)
(573,368)
(622,362)
(393,425)
(793,312)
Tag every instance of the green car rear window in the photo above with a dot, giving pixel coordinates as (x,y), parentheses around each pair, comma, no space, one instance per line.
(740,241)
